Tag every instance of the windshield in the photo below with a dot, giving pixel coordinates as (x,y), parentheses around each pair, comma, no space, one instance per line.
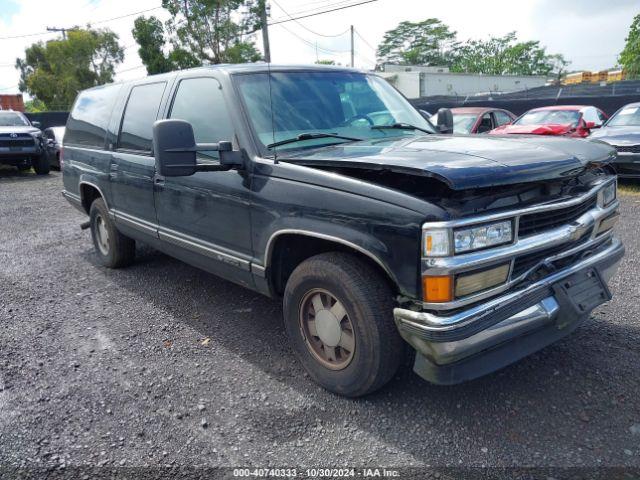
(339,103)
(12,119)
(628,116)
(550,117)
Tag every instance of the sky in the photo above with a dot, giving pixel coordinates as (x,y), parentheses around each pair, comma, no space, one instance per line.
(589,33)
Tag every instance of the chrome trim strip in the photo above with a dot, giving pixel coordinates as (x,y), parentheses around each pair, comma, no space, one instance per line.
(204,248)
(135,222)
(269,247)
(462,222)
(258,270)
(432,322)
(72,197)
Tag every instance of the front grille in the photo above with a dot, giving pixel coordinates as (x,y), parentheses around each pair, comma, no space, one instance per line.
(534,223)
(8,140)
(628,148)
(529,260)
(16,143)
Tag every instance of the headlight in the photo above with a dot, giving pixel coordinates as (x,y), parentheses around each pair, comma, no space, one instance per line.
(476,238)
(436,243)
(608,194)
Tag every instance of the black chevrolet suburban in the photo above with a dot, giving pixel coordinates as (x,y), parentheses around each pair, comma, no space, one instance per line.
(21,143)
(326,188)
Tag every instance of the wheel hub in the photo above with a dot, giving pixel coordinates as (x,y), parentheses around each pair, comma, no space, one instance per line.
(328,328)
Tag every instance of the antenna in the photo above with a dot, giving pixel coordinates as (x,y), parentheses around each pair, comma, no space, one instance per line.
(273,122)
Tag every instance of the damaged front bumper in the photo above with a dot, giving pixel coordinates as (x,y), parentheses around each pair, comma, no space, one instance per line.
(488,336)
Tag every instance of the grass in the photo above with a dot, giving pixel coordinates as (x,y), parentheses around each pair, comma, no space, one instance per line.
(629,187)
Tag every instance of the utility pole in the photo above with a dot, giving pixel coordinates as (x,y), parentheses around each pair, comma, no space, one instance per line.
(56,29)
(352,49)
(265,30)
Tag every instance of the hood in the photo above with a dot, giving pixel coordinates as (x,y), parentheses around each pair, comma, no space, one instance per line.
(618,135)
(464,161)
(548,129)
(18,129)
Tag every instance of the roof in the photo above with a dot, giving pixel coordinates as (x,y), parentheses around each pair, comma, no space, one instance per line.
(477,110)
(561,107)
(259,67)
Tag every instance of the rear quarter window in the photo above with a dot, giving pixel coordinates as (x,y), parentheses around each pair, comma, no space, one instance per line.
(139,114)
(87,123)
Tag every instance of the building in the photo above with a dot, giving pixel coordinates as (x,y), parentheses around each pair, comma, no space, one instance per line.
(603,76)
(12,102)
(416,81)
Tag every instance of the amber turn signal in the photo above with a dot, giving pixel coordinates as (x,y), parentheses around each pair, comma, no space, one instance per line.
(437,289)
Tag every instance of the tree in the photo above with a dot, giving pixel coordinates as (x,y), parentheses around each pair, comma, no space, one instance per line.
(325,62)
(630,56)
(429,42)
(150,36)
(506,56)
(212,30)
(54,72)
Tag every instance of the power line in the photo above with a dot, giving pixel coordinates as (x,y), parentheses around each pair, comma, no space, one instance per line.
(366,43)
(322,12)
(317,9)
(91,23)
(314,45)
(306,28)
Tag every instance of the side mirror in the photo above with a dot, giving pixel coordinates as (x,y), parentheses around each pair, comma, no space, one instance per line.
(36,124)
(425,114)
(175,148)
(445,121)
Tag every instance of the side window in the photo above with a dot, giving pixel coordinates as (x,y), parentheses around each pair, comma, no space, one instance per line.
(200,101)
(485,123)
(601,116)
(139,114)
(87,123)
(591,115)
(501,118)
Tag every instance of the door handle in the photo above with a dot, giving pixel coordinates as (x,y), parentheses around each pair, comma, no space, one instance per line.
(158,180)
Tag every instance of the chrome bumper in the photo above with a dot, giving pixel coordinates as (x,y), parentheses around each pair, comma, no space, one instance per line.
(457,347)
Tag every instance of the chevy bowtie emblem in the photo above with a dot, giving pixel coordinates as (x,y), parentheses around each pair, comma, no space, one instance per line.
(576,231)
(13,135)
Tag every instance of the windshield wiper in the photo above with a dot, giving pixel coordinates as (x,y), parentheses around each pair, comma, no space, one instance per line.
(400,126)
(312,136)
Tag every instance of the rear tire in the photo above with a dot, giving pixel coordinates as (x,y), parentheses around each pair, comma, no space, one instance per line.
(114,249)
(41,164)
(338,313)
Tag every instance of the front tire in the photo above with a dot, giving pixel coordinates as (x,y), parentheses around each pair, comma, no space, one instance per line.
(41,164)
(338,313)
(114,249)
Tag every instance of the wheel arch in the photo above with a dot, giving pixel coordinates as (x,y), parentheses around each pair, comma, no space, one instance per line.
(280,261)
(89,191)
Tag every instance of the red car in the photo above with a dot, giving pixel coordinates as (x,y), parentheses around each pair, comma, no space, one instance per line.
(477,119)
(570,120)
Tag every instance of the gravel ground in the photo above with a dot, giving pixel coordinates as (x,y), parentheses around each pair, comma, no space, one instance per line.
(162,364)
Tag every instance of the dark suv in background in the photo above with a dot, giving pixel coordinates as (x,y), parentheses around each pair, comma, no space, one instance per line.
(21,143)
(324,187)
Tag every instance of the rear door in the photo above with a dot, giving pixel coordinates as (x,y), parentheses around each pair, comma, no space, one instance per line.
(133,167)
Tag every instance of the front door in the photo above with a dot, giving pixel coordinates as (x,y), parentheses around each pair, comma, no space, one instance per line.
(207,213)
(132,169)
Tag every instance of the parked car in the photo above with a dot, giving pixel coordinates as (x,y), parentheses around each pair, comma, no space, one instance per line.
(569,120)
(622,131)
(21,143)
(326,188)
(478,119)
(52,144)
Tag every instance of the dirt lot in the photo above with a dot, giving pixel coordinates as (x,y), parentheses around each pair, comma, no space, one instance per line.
(162,364)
